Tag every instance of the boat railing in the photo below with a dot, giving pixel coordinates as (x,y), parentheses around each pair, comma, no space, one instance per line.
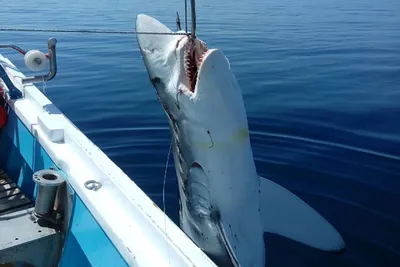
(36,61)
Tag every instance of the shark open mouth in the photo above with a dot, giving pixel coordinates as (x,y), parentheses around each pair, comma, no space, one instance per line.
(195,50)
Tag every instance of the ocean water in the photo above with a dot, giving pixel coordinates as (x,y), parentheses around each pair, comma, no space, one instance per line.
(321,85)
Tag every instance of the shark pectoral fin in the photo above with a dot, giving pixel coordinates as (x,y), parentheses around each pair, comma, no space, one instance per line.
(285,214)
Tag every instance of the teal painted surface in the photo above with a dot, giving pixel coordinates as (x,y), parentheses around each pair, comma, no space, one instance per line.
(86,243)
(86,235)
(23,154)
(73,255)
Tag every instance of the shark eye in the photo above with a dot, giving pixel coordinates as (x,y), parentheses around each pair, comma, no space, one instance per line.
(155,80)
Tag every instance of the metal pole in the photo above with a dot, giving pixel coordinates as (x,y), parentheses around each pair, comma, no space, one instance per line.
(193,10)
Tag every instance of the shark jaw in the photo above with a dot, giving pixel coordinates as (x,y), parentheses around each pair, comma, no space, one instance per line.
(180,55)
(195,52)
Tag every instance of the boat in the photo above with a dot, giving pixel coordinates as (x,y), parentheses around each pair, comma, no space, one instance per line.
(63,202)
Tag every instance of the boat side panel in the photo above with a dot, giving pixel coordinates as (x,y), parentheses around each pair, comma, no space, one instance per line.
(86,243)
(22,154)
(72,254)
(86,235)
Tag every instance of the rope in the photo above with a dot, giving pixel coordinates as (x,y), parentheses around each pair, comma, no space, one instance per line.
(89,31)
(163,195)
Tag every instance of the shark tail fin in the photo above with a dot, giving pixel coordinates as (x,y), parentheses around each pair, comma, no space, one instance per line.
(285,214)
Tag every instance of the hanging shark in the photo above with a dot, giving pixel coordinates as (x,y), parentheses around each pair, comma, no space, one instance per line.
(225,207)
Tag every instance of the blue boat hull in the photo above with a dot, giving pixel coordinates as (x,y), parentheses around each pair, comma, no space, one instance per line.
(86,244)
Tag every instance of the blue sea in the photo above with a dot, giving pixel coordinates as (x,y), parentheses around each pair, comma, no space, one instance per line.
(321,85)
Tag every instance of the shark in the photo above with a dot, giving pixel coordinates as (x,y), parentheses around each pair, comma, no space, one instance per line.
(225,206)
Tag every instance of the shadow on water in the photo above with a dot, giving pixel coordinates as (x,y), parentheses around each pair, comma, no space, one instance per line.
(51,109)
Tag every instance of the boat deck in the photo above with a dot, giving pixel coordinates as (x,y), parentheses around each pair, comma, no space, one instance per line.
(24,238)
(11,197)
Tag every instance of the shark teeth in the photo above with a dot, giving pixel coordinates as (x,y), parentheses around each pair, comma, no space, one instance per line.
(195,51)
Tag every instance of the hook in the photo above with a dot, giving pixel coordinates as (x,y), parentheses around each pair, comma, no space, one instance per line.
(178,22)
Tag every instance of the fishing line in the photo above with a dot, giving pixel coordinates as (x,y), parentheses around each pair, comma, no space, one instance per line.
(98,31)
(104,31)
(44,86)
(163,196)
